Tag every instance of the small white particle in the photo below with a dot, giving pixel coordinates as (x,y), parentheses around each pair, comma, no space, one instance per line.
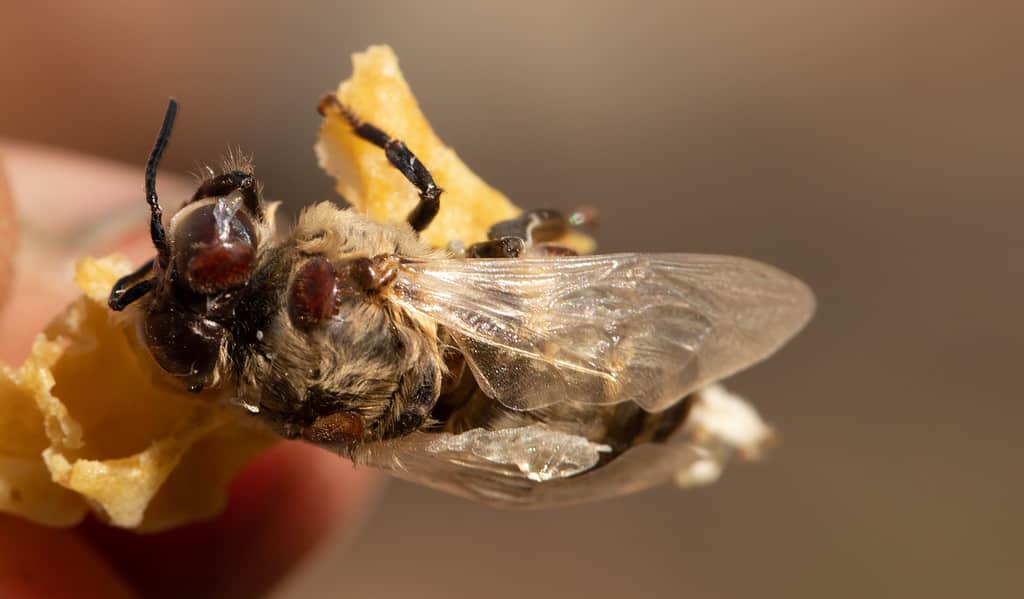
(702,472)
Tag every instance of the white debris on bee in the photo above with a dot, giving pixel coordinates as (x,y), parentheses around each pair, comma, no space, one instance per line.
(701,472)
(721,423)
(251,407)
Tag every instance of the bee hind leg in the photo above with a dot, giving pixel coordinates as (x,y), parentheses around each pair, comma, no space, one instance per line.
(505,247)
(534,226)
(400,156)
(531,231)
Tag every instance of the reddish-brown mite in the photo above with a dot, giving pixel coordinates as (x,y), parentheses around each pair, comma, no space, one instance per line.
(313,293)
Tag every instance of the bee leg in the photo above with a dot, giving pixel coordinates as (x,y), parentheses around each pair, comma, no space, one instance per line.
(515,247)
(538,226)
(400,157)
(532,226)
(505,247)
(551,250)
(512,238)
(528,234)
(127,291)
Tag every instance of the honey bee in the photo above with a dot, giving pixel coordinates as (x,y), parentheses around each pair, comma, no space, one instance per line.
(510,371)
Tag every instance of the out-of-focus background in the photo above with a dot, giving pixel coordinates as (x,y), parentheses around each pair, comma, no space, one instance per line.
(875,149)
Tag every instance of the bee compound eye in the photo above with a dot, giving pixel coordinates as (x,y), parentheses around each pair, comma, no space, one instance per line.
(184,345)
(313,294)
(215,245)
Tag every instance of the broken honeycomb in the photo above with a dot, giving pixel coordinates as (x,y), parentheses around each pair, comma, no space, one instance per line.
(378,94)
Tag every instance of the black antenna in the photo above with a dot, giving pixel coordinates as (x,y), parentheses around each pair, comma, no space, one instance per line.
(156,225)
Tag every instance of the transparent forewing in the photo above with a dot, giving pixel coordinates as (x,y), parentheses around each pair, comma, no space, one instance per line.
(607,329)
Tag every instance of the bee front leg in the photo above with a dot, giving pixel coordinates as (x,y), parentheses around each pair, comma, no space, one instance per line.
(130,288)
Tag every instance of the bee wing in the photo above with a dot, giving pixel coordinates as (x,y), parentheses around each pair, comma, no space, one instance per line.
(527,467)
(648,328)
(539,466)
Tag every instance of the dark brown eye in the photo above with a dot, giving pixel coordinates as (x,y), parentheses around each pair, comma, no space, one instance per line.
(215,245)
(184,345)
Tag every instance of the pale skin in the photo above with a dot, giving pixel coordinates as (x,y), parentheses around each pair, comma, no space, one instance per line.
(281,505)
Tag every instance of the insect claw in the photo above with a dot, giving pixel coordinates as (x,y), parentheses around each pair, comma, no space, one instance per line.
(328,101)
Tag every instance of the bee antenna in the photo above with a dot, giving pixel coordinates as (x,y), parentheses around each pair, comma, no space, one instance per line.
(156,225)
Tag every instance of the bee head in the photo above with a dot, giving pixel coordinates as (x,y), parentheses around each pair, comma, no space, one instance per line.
(214,238)
(208,252)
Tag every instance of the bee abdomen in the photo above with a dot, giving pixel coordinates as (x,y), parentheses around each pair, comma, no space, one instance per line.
(629,425)
(622,426)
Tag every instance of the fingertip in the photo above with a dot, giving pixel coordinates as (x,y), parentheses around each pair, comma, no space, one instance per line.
(291,499)
(8,235)
(304,479)
(281,506)
(65,206)
(59,190)
(38,562)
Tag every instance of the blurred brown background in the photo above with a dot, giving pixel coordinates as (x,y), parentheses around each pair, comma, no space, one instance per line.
(873,148)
